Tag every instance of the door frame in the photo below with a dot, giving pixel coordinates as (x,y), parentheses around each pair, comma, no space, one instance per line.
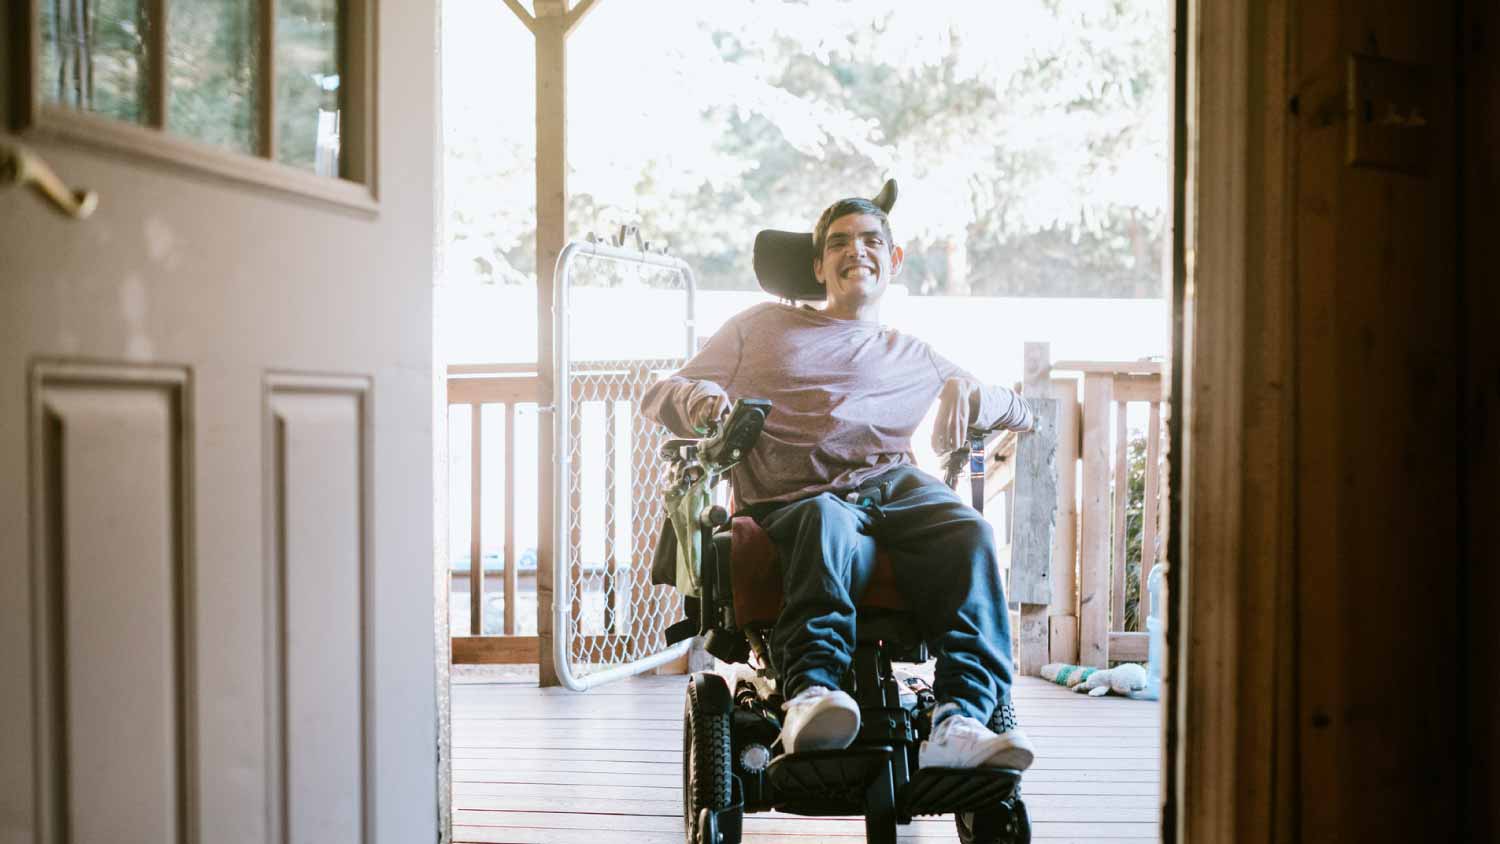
(1229,770)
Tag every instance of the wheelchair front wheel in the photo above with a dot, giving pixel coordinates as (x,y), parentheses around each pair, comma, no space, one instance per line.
(706,784)
(1007,823)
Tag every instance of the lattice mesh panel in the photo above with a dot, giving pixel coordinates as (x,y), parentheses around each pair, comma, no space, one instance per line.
(614,513)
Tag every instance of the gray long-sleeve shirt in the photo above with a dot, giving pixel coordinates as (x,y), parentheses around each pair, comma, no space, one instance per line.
(845,396)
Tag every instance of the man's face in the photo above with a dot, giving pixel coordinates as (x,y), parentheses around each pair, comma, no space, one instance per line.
(858,261)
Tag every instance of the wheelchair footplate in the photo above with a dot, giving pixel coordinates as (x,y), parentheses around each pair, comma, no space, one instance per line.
(942,791)
(826,782)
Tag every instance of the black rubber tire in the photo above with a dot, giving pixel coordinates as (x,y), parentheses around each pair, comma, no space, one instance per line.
(1005,824)
(705,759)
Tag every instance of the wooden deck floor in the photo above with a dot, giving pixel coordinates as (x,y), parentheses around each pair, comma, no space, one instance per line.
(603,767)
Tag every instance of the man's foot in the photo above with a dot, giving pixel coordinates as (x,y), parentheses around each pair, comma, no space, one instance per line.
(959,741)
(819,718)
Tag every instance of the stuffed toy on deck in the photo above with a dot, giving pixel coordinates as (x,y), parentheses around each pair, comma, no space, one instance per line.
(1127,679)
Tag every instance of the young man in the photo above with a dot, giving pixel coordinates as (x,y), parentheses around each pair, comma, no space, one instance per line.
(846,396)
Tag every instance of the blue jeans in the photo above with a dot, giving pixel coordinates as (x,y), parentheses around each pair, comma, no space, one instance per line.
(943,553)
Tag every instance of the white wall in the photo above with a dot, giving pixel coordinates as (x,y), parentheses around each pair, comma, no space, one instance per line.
(491,323)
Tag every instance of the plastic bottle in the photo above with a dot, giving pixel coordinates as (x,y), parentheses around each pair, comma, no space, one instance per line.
(1155,635)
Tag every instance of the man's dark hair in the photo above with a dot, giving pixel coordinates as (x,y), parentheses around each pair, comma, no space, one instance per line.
(843,208)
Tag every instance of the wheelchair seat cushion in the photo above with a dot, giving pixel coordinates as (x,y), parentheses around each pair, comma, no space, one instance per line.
(756,574)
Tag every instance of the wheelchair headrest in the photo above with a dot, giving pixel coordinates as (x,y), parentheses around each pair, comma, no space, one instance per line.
(784,260)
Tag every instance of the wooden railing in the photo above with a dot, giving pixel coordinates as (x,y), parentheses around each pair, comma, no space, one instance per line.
(506,386)
(1085,620)
(635,612)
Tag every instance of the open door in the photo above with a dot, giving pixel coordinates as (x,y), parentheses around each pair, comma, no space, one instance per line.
(215,424)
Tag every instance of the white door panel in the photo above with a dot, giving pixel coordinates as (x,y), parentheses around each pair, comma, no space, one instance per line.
(107,461)
(318,534)
(228,710)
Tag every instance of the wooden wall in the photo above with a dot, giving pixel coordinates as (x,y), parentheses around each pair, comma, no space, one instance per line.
(1377,337)
(1340,515)
(1479,449)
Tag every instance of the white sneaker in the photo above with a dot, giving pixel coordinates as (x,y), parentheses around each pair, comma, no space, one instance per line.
(962,742)
(819,719)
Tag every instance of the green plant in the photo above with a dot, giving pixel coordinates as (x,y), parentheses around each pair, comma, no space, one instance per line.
(1135,506)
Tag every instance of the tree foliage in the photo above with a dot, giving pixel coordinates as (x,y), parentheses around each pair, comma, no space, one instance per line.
(1029,137)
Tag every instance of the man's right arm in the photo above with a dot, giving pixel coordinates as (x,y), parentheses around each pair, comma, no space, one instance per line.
(687,401)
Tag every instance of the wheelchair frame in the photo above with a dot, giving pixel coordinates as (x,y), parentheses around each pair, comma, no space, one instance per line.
(730,765)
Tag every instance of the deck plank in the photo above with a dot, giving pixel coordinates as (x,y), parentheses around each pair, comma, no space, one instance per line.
(553,766)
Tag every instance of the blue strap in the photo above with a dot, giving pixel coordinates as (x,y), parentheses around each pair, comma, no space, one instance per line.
(976,472)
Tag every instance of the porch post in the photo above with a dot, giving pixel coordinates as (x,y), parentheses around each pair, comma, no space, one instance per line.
(550,29)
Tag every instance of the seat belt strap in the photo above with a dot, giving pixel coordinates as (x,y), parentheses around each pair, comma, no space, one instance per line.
(976,472)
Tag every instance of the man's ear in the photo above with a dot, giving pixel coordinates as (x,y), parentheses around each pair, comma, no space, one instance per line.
(818,269)
(897,256)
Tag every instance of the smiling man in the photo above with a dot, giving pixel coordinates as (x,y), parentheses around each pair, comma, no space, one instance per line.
(857,259)
(846,395)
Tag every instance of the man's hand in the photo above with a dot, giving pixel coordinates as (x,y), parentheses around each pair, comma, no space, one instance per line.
(707,407)
(957,409)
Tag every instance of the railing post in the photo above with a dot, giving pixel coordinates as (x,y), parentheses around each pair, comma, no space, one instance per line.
(574,549)
(611,564)
(1034,515)
(512,563)
(1062,634)
(1093,551)
(645,512)
(476,552)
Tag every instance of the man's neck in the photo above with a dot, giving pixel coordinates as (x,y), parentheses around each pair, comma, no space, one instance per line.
(864,312)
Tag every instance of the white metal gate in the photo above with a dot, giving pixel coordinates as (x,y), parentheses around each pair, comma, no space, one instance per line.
(609,621)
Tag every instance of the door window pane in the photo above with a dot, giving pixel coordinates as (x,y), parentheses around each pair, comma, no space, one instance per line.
(94,56)
(212,71)
(261,78)
(308,84)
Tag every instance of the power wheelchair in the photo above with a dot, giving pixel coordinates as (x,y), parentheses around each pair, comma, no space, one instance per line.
(727,571)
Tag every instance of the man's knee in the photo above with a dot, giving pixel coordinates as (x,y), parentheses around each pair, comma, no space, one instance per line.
(970,532)
(823,513)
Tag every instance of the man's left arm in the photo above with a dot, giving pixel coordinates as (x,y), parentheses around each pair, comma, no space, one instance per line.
(992,407)
(966,403)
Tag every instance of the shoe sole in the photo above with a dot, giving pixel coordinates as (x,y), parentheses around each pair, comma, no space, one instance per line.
(1013,757)
(1017,758)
